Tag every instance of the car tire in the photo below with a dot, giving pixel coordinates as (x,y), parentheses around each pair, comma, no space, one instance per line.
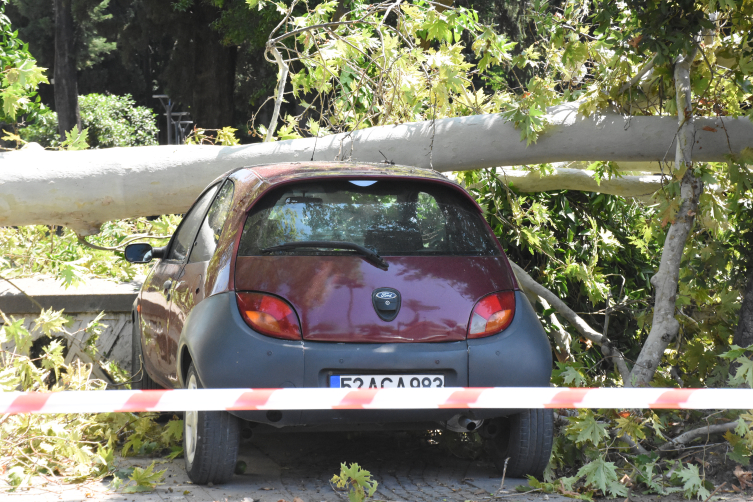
(210,441)
(526,439)
(141,379)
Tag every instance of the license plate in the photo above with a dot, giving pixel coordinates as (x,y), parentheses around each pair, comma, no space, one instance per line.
(385,381)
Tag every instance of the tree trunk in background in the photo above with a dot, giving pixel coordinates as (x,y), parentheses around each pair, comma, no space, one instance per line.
(214,76)
(665,327)
(66,86)
(744,333)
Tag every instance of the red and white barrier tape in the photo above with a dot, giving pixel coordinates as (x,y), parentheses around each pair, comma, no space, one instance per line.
(371,399)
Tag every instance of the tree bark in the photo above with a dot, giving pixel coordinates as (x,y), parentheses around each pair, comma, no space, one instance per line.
(665,327)
(744,332)
(562,339)
(528,285)
(87,188)
(214,72)
(66,82)
(579,179)
(680,441)
(282,79)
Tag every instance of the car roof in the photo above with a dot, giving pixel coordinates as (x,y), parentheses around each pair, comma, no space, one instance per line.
(254,181)
(274,174)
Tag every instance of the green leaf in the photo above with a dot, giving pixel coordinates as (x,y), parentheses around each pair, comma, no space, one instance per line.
(226,136)
(585,428)
(359,480)
(573,377)
(631,427)
(50,321)
(602,475)
(173,432)
(16,332)
(744,372)
(740,452)
(75,140)
(693,484)
(146,479)
(734,352)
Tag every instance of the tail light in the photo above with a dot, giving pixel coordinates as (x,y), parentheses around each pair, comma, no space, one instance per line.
(492,314)
(269,315)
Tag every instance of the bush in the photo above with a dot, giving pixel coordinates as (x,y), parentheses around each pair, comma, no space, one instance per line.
(111,120)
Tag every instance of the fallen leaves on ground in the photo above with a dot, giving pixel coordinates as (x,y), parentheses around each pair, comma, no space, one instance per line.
(745,478)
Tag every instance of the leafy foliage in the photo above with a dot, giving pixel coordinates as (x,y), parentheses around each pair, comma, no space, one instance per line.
(19,74)
(357,480)
(56,252)
(109,120)
(379,64)
(139,480)
(76,446)
(224,137)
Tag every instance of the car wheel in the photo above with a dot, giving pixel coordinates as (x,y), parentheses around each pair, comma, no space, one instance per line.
(210,441)
(525,438)
(141,379)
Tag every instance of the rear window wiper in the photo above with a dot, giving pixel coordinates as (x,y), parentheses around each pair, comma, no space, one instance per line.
(367,253)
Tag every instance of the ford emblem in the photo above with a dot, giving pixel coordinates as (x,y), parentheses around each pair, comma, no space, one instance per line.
(386,303)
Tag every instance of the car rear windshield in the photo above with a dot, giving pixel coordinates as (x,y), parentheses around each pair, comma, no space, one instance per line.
(390,216)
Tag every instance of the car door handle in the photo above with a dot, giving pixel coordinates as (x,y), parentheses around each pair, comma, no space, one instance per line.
(167,284)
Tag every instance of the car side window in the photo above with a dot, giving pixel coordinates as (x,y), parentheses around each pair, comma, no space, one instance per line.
(188,227)
(211,227)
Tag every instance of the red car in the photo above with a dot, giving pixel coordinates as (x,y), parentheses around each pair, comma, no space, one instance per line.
(339,275)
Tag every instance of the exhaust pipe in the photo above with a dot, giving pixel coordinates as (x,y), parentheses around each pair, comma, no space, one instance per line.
(468,424)
(461,423)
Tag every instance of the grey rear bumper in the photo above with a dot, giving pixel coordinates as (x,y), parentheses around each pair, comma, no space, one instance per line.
(229,354)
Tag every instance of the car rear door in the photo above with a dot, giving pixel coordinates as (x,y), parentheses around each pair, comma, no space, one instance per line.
(156,298)
(189,289)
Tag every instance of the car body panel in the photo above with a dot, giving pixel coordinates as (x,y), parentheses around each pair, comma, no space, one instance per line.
(154,304)
(235,356)
(333,294)
(274,174)
(521,353)
(188,291)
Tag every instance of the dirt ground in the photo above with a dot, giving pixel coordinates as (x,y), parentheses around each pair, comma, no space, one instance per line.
(408,467)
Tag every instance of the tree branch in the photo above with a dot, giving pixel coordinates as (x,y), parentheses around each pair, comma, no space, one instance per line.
(527,283)
(581,179)
(681,440)
(283,76)
(638,76)
(120,246)
(562,338)
(270,43)
(635,448)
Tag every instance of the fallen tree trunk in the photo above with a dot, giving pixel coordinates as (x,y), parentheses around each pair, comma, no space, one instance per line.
(83,189)
(579,179)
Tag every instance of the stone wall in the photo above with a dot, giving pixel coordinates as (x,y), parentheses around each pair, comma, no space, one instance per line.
(82,304)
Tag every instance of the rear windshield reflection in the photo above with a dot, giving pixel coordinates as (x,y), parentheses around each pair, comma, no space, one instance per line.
(390,217)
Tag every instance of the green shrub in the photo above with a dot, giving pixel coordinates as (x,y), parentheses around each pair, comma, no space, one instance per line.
(111,120)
